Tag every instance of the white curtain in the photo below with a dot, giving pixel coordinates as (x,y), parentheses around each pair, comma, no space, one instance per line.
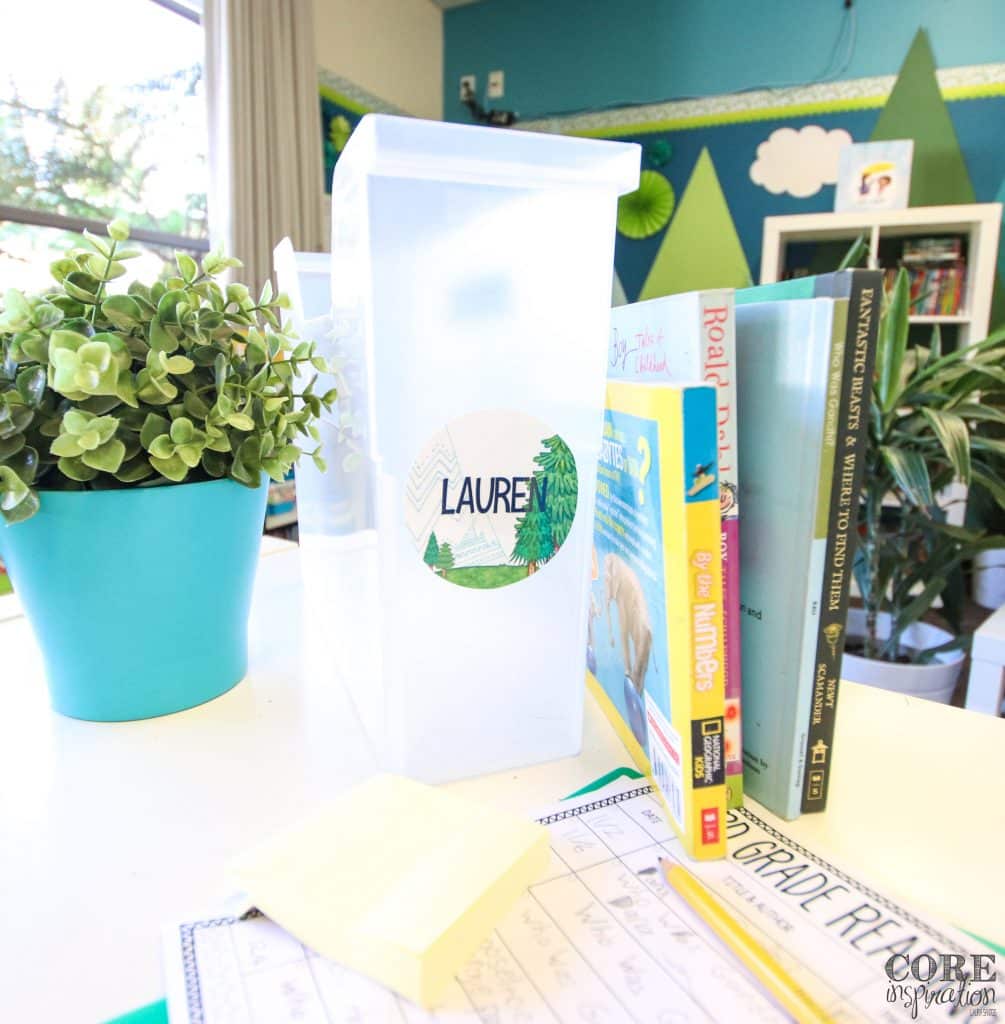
(265,162)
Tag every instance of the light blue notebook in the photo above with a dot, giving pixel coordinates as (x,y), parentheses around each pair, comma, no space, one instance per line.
(784,365)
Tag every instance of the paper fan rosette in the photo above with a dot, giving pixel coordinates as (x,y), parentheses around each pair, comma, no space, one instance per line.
(643,212)
(339,130)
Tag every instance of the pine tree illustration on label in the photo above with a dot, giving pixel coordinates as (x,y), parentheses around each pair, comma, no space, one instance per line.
(491,499)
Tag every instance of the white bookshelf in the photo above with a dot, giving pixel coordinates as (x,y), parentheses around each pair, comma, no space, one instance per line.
(280,520)
(978,223)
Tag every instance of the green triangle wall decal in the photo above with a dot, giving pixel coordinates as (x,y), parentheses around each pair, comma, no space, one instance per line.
(998,295)
(618,297)
(700,248)
(916,110)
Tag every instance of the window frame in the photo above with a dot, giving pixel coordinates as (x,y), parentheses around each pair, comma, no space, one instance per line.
(65,222)
(186,8)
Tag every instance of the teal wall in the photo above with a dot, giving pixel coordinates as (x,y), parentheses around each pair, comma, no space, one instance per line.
(571,55)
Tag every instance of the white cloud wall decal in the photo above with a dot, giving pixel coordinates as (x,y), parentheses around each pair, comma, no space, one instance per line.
(798,162)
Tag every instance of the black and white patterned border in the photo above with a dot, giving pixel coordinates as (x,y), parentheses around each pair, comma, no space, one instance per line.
(190,965)
(607,801)
(355,93)
(887,904)
(955,83)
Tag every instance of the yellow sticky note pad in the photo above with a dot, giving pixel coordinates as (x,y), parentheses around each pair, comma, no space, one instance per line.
(397,880)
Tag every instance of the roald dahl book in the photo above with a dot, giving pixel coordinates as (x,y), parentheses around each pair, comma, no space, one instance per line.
(655,656)
(691,337)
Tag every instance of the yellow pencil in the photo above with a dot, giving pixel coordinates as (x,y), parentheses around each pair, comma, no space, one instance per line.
(751,953)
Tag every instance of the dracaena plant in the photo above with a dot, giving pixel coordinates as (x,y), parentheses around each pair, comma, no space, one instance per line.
(182,380)
(925,432)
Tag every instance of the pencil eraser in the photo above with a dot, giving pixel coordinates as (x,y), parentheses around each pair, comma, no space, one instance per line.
(396,880)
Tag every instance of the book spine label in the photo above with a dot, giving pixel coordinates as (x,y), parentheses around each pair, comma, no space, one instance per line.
(705,769)
(808,649)
(818,554)
(718,336)
(849,466)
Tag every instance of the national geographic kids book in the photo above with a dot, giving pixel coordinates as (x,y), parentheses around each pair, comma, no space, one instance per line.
(691,337)
(655,638)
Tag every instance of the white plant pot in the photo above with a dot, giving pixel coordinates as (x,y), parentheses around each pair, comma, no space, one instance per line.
(935,681)
(989,578)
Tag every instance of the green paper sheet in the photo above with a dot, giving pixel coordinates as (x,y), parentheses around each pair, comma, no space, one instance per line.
(155,1013)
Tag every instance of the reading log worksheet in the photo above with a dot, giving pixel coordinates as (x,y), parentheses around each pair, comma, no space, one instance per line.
(602,939)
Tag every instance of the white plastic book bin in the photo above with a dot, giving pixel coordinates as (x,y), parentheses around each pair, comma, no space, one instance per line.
(335,502)
(471,283)
(307,278)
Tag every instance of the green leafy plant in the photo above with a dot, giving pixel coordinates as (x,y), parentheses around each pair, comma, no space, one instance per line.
(183,380)
(925,432)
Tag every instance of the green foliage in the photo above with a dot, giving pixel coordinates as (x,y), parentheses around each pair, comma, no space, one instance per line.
(559,465)
(854,256)
(480,577)
(97,156)
(534,544)
(541,531)
(180,381)
(927,429)
(445,557)
(432,555)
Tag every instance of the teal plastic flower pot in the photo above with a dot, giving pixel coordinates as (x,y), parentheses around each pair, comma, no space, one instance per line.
(139,598)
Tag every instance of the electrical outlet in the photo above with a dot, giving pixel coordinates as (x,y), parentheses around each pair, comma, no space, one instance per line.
(496,86)
(469,83)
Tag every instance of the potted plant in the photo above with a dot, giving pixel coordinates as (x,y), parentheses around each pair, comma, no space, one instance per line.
(988,580)
(925,411)
(137,433)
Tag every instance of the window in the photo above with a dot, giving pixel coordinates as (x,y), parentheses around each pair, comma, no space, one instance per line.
(105,119)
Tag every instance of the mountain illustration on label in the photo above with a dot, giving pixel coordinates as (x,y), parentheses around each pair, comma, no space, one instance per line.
(491,499)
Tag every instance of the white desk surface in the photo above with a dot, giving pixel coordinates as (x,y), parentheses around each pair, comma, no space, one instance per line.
(109,831)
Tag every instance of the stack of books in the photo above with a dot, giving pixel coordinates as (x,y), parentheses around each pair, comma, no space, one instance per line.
(937,271)
(760,398)
(281,508)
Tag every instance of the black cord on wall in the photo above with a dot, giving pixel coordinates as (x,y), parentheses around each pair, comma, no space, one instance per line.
(493,118)
(848,27)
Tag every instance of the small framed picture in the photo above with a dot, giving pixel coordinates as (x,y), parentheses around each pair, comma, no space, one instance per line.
(874,176)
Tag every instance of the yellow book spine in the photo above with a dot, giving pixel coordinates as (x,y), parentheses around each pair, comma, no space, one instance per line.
(695,640)
(706,743)
(682,746)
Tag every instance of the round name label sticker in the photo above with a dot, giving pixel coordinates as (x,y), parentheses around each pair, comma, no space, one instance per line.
(491,498)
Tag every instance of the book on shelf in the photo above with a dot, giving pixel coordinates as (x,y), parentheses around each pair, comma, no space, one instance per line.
(937,271)
(281,505)
(655,634)
(932,250)
(692,337)
(935,290)
(805,355)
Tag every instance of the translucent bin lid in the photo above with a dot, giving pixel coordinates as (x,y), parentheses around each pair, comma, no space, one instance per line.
(406,147)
